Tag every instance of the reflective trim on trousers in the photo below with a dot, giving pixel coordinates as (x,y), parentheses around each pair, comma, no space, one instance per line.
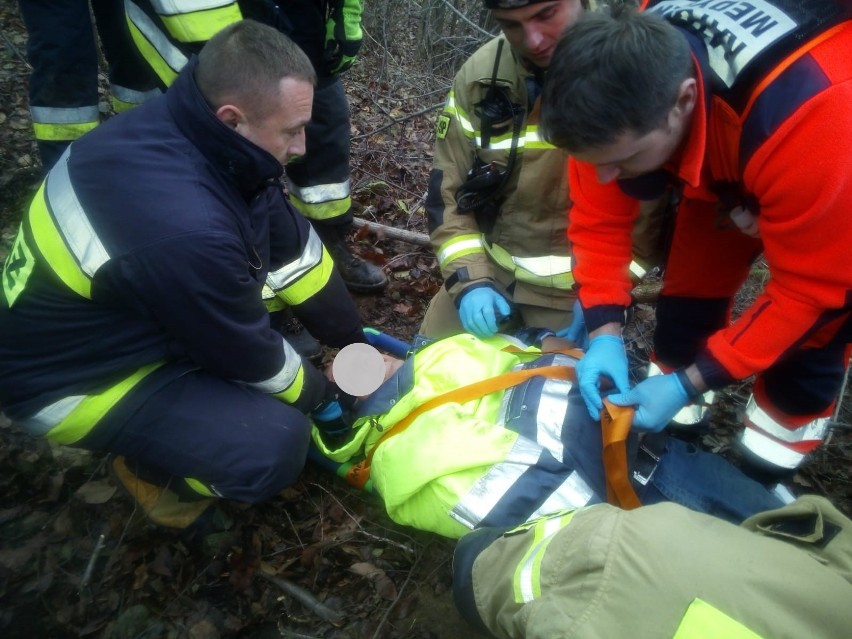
(769,449)
(61,115)
(319,193)
(814,430)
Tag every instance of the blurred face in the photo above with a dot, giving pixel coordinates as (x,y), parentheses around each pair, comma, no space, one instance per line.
(282,132)
(534,30)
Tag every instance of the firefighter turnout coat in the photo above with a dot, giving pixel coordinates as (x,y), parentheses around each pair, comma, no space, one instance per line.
(528,241)
(661,572)
(146,253)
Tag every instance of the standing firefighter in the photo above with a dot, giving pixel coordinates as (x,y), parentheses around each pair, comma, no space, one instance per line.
(498,193)
(744,123)
(329,32)
(132,316)
(62,49)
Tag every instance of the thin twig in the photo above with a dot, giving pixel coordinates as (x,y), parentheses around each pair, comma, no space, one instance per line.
(15,50)
(87,575)
(398,594)
(396,121)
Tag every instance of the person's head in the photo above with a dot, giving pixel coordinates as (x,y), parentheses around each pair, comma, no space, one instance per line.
(533,27)
(620,93)
(261,84)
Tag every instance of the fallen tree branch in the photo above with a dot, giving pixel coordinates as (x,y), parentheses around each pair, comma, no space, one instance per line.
(412,237)
(307,599)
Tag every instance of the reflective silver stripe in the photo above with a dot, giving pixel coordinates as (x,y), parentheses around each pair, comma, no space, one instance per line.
(812,431)
(527,572)
(574,492)
(50,416)
(170,53)
(285,377)
(131,96)
(319,193)
(770,450)
(691,413)
(545,265)
(56,115)
(448,251)
(488,490)
(550,417)
(309,258)
(637,269)
(172,7)
(71,219)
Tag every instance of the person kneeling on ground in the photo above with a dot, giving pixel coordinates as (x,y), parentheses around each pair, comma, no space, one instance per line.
(132,315)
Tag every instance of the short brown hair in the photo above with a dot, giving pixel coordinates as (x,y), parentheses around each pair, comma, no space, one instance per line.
(612,74)
(245,62)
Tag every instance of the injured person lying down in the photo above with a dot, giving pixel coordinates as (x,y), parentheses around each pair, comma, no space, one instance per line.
(467,433)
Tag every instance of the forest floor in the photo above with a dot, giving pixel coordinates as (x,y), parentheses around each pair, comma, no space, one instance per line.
(77,559)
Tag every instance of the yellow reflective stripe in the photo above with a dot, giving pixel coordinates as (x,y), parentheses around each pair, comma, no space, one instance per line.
(526,583)
(93,407)
(287,375)
(165,59)
(458,247)
(300,279)
(61,132)
(322,210)
(292,392)
(452,109)
(124,98)
(310,283)
(703,621)
(551,271)
(200,26)
(51,245)
(198,487)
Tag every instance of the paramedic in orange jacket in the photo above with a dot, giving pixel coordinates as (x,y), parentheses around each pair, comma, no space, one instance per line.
(745,109)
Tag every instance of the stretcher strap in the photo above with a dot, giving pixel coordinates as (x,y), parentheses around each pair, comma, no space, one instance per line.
(615,427)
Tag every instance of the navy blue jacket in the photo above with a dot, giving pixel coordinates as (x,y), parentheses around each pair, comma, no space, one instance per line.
(193,218)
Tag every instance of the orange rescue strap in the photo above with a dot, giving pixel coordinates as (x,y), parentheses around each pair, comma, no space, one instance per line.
(615,427)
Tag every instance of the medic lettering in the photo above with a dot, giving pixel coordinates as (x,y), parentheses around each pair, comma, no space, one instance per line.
(735,32)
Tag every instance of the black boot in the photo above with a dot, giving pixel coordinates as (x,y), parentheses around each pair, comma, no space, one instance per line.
(359,275)
(296,335)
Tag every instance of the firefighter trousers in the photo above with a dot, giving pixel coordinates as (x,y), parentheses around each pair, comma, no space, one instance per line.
(63,51)
(233,441)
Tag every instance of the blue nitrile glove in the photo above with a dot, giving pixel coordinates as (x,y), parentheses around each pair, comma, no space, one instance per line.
(481,309)
(576,331)
(605,356)
(343,35)
(657,399)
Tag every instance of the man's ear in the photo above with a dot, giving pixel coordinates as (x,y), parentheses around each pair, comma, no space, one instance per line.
(230,115)
(687,96)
